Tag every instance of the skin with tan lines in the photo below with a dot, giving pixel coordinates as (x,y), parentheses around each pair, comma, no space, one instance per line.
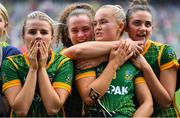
(39,86)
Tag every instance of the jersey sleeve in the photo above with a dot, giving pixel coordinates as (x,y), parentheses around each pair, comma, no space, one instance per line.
(64,76)
(80,74)
(9,74)
(9,51)
(139,78)
(168,58)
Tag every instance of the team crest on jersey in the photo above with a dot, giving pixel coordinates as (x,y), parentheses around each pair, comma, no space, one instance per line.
(69,79)
(128,75)
(171,54)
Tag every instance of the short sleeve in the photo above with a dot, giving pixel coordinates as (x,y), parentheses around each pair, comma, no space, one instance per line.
(80,74)
(168,58)
(139,78)
(64,76)
(9,51)
(9,74)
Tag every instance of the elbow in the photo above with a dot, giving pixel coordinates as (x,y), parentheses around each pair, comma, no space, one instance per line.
(166,105)
(77,52)
(20,111)
(52,112)
(151,108)
(88,101)
(54,109)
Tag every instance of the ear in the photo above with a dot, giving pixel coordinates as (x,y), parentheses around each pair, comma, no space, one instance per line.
(121,26)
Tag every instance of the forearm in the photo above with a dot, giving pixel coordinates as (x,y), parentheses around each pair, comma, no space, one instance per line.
(102,83)
(159,93)
(24,98)
(145,110)
(49,96)
(89,49)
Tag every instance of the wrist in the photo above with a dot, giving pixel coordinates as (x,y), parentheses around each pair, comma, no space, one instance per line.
(145,67)
(42,69)
(113,65)
(32,70)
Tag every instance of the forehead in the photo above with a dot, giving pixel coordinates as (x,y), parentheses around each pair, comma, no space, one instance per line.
(82,19)
(141,15)
(37,23)
(104,13)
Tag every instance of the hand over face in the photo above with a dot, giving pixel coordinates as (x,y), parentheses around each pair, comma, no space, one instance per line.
(32,55)
(43,54)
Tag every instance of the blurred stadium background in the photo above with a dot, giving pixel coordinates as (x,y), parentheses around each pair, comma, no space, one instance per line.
(166,17)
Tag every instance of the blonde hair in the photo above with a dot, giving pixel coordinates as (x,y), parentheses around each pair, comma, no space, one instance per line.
(4,35)
(118,12)
(38,15)
(4,13)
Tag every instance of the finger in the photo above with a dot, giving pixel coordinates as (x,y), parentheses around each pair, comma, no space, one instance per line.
(129,56)
(44,48)
(32,46)
(139,48)
(129,50)
(122,44)
(114,47)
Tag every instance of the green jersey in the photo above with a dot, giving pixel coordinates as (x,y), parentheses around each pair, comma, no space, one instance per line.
(73,105)
(60,72)
(161,57)
(119,96)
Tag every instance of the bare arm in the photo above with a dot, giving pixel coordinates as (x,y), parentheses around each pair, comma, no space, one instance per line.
(89,49)
(99,48)
(50,98)
(101,84)
(163,90)
(145,101)
(20,97)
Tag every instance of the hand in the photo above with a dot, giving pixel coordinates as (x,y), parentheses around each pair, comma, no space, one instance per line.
(139,61)
(32,55)
(43,54)
(136,46)
(120,54)
(89,63)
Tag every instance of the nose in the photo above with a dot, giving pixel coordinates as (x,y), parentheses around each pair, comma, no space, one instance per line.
(98,26)
(80,34)
(38,36)
(143,28)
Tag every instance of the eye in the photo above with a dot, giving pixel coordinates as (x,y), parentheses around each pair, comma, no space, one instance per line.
(74,31)
(32,31)
(44,32)
(137,23)
(103,21)
(148,24)
(94,23)
(85,29)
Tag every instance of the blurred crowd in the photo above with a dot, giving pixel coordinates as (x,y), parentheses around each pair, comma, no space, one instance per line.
(166,27)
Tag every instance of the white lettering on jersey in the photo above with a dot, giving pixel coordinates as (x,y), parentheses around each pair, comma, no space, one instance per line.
(117,90)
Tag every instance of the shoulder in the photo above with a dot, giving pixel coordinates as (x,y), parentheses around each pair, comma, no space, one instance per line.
(10,50)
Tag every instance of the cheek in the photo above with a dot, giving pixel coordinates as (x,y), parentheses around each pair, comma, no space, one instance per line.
(90,35)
